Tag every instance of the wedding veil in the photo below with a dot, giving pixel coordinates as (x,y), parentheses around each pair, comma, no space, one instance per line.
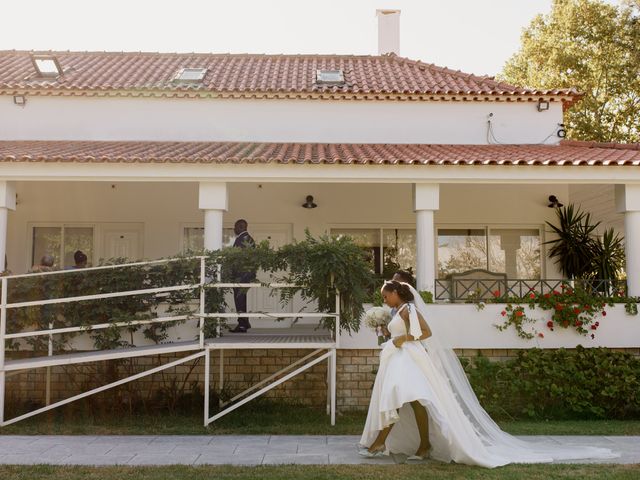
(516,450)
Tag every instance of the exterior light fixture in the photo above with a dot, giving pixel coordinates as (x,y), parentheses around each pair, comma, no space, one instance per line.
(554,202)
(309,202)
(20,100)
(562,132)
(543,105)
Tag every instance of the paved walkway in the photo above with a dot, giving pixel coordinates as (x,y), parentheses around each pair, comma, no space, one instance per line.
(230,449)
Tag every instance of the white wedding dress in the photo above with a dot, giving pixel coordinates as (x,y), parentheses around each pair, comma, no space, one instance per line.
(460,430)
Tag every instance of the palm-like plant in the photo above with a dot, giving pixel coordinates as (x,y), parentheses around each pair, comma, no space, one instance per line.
(573,248)
(607,255)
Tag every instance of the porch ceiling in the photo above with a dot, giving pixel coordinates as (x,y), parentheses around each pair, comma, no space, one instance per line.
(568,153)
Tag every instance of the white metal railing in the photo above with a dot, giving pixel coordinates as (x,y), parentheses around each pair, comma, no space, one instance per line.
(201,315)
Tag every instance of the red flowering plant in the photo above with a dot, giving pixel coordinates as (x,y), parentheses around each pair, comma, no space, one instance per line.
(570,307)
(516,316)
(573,308)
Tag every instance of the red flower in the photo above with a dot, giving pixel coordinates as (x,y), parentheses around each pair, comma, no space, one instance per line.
(550,324)
(532,296)
(597,324)
(576,310)
(558,307)
(496,293)
(593,327)
(503,313)
(541,335)
(604,314)
(555,292)
(578,323)
(546,295)
(519,313)
(569,292)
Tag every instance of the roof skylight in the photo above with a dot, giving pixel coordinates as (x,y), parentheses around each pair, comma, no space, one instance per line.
(46,65)
(190,75)
(330,77)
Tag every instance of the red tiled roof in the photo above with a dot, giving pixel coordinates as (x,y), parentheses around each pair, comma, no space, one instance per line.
(568,153)
(291,76)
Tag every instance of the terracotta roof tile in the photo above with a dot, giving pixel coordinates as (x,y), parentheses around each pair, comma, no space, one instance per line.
(592,154)
(136,73)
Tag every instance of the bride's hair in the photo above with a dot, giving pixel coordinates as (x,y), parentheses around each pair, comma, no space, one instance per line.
(403,290)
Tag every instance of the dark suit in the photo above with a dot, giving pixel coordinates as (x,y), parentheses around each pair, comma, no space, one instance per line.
(244,240)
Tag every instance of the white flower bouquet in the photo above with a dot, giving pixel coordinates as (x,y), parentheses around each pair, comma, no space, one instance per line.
(377,319)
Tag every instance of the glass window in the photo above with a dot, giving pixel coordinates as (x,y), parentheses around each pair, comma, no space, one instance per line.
(46,241)
(399,250)
(193,238)
(366,238)
(61,242)
(460,250)
(389,249)
(77,238)
(515,252)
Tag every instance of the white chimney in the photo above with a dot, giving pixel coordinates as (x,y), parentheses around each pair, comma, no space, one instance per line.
(388,31)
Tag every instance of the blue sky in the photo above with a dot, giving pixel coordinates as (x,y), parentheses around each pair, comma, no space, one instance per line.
(475,36)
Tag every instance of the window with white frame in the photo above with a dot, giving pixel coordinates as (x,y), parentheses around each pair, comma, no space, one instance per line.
(193,238)
(62,241)
(514,251)
(389,249)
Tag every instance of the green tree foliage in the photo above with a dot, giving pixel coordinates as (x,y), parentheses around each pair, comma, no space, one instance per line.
(594,47)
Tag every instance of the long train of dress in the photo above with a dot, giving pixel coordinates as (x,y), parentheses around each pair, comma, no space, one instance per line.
(459,431)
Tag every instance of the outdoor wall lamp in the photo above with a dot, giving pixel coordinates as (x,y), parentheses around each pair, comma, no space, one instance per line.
(20,100)
(309,202)
(554,202)
(543,105)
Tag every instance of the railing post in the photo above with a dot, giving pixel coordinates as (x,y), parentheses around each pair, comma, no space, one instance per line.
(207,373)
(219,279)
(202,299)
(3,332)
(337,322)
(48,379)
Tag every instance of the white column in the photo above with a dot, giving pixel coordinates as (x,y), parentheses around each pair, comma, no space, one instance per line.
(426,200)
(628,202)
(213,199)
(7,202)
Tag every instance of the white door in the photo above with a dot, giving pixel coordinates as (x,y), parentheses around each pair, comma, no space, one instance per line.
(122,244)
(260,299)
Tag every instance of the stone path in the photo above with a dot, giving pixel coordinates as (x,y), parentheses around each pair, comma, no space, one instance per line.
(232,449)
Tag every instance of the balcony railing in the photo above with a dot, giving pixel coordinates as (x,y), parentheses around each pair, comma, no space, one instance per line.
(459,290)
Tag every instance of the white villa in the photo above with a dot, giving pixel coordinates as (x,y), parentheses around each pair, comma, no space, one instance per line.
(144,155)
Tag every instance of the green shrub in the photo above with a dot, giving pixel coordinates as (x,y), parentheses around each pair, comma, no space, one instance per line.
(585,383)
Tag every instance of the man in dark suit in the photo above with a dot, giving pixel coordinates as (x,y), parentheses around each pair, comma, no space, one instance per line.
(243,240)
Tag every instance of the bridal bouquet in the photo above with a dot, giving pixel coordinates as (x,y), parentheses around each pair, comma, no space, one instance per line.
(377,318)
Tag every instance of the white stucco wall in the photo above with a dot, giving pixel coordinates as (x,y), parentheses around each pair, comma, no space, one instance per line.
(85,118)
(163,208)
(464,326)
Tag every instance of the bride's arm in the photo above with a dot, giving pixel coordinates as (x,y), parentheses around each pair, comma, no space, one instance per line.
(426,331)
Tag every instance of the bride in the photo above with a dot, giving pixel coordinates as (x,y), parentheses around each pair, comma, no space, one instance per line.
(423,406)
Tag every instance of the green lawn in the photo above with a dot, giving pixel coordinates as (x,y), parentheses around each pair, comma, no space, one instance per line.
(269,418)
(338,472)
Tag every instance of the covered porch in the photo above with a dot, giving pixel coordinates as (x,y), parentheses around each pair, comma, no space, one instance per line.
(436,210)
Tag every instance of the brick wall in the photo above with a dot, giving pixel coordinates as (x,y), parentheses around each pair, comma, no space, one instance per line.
(355,374)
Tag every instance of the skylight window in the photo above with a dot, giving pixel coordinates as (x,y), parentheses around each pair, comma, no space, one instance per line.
(46,65)
(330,77)
(190,75)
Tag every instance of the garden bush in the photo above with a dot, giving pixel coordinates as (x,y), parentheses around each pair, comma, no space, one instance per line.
(585,383)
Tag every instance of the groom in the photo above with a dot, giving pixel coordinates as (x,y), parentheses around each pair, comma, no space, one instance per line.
(243,240)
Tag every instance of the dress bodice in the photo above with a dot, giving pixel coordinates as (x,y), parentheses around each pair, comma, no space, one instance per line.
(397,326)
